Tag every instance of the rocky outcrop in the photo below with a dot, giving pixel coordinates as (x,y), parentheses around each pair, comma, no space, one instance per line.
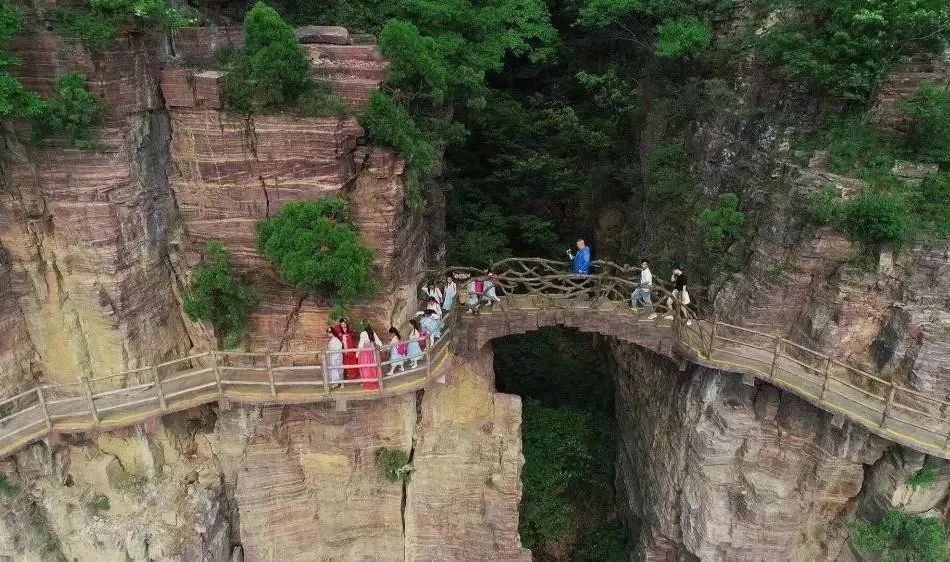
(466,483)
(87,232)
(717,469)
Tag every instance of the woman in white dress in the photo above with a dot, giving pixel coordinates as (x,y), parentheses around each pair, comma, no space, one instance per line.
(334,357)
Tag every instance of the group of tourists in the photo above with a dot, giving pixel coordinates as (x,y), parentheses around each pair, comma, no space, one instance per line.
(642,295)
(361,356)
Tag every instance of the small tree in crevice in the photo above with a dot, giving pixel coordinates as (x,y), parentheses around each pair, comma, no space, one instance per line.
(393,464)
(315,247)
(218,296)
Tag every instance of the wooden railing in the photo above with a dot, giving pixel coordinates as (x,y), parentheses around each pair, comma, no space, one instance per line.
(251,378)
(888,409)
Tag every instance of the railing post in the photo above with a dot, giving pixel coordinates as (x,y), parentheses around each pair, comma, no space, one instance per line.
(428,358)
(326,374)
(887,404)
(712,337)
(775,355)
(379,366)
(45,409)
(824,382)
(217,372)
(87,386)
(270,377)
(158,388)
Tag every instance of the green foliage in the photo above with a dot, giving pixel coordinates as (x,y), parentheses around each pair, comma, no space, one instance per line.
(557,444)
(824,207)
(846,46)
(96,31)
(6,488)
(393,464)
(930,203)
(604,544)
(96,25)
(315,247)
(681,37)
(15,101)
(73,112)
(923,478)
(877,219)
(390,125)
(98,505)
(929,136)
(218,296)
(903,537)
(416,61)
(274,72)
(723,225)
(854,146)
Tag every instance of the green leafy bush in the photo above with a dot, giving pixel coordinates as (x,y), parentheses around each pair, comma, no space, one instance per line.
(274,72)
(218,296)
(846,46)
(923,478)
(416,61)
(15,101)
(73,112)
(393,464)
(96,26)
(723,225)
(681,37)
(900,536)
(315,247)
(98,504)
(930,203)
(390,125)
(824,207)
(876,219)
(929,136)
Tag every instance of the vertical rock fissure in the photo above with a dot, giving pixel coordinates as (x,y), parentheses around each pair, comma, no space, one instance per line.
(416,431)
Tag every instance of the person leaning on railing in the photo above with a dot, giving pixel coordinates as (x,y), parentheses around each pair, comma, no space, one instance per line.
(680,294)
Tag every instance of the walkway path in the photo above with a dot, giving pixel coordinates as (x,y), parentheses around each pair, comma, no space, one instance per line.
(538,294)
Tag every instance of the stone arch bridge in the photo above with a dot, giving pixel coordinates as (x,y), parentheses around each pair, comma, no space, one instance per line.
(534,293)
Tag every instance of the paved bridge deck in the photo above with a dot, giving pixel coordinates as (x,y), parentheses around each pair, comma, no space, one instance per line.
(886,409)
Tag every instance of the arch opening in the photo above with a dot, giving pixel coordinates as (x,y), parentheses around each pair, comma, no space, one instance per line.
(569,508)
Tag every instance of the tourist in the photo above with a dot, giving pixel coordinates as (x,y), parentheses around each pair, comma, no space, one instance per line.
(432,290)
(476,290)
(431,324)
(369,365)
(581,261)
(334,358)
(489,296)
(679,294)
(432,304)
(414,349)
(642,293)
(449,293)
(348,336)
(397,351)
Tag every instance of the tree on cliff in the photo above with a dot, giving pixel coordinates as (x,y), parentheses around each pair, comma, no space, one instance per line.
(274,71)
(315,247)
(218,296)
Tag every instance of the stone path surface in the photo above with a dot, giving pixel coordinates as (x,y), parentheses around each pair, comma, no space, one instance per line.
(890,411)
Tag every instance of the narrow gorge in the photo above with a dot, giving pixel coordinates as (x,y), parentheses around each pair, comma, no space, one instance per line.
(793,158)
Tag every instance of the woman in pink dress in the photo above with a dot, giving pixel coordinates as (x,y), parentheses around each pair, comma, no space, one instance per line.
(368,358)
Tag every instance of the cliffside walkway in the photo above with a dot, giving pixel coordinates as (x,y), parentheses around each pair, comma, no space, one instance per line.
(535,293)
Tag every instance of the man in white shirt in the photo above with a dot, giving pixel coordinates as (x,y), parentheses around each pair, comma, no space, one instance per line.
(642,293)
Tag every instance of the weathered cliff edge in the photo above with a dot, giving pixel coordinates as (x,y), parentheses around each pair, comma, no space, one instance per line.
(295,483)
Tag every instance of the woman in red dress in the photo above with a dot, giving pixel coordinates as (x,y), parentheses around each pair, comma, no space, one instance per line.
(348,336)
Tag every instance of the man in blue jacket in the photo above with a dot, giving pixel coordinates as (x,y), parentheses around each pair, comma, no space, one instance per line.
(581,260)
